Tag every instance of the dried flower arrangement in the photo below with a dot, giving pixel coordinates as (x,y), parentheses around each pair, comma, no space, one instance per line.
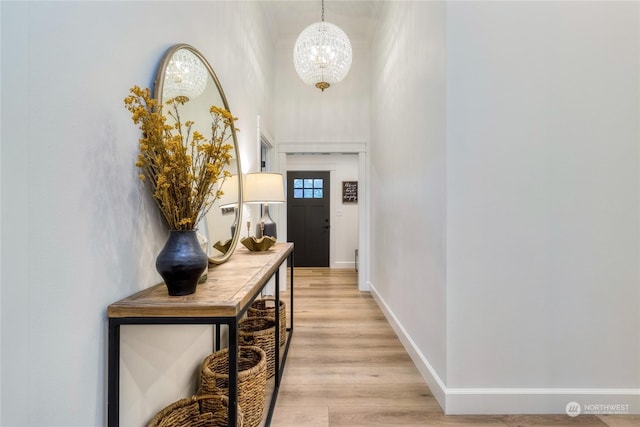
(181,165)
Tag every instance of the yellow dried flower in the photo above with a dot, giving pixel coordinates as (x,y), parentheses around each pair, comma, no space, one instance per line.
(181,165)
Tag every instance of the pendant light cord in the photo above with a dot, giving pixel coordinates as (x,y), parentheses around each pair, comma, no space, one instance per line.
(322,10)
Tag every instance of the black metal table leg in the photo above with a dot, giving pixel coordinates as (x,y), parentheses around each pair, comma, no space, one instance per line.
(216,346)
(291,290)
(234,349)
(113,375)
(277,338)
(279,369)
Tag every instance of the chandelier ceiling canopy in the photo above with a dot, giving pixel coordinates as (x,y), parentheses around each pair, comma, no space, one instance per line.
(322,54)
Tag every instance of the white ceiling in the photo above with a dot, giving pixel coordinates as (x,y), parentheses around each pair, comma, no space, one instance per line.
(290,17)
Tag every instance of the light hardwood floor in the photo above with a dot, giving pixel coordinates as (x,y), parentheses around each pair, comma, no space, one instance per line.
(346,367)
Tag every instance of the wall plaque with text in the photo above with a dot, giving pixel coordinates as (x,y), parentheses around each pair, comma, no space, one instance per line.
(349,191)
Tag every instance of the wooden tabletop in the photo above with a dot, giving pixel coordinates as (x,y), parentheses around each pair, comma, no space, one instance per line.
(228,289)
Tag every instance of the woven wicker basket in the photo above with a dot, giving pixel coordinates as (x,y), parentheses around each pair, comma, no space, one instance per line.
(196,411)
(261,332)
(266,307)
(252,380)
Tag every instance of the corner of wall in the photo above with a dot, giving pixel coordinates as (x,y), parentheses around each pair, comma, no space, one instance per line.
(429,374)
(491,401)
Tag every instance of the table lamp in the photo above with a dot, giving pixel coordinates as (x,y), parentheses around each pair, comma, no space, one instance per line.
(230,198)
(264,188)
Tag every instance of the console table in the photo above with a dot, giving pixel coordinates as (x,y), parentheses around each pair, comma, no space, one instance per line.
(222,299)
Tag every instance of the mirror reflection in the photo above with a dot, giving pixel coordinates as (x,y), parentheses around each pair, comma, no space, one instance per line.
(184,71)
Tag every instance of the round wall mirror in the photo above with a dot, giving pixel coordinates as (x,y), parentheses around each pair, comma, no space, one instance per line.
(184,71)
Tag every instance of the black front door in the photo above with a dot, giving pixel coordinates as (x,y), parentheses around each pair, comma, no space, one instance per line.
(308,217)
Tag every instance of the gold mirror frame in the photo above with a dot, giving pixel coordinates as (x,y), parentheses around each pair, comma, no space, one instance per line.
(205,103)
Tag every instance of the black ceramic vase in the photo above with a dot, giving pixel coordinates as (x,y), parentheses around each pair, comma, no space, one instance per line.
(181,262)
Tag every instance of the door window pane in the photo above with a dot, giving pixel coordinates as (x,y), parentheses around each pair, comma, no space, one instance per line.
(308,188)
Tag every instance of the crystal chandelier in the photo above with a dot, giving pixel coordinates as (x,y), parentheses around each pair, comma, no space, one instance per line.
(186,75)
(322,54)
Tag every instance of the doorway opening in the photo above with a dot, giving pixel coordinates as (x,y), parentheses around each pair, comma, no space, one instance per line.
(348,221)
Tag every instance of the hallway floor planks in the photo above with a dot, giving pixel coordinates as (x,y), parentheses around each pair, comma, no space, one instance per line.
(346,367)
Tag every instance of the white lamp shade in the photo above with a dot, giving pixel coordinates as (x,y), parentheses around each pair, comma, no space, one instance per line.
(263,188)
(230,189)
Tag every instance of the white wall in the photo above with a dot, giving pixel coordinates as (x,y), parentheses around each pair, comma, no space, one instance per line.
(343,216)
(524,292)
(543,289)
(78,230)
(304,114)
(408,186)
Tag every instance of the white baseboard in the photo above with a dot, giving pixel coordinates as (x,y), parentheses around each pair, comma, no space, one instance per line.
(351,265)
(541,401)
(467,401)
(429,374)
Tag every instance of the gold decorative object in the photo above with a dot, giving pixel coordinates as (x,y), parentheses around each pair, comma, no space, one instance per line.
(223,247)
(261,244)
